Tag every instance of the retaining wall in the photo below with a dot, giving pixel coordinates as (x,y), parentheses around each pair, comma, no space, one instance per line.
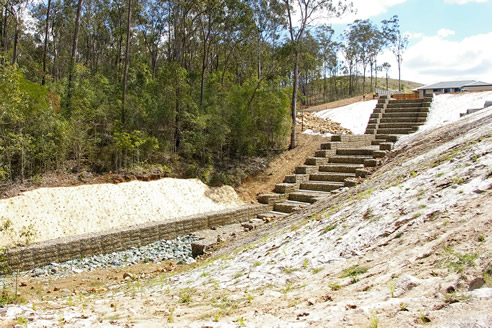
(64,249)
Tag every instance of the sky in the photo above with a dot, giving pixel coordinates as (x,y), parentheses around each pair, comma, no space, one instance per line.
(449,40)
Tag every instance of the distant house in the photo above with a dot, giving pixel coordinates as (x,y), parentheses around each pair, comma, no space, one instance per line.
(453,86)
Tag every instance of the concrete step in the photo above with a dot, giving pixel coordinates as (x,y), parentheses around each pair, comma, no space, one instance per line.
(406,110)
(414,119)
(285,188)
(289,206)
(308,196)
(405,101)
(356,151)
(353,138)
(306,169)
(397,131)
(296,178)
(325,153)
(386,146)
(271,198)
(331,176)
(321,185)
(316,161)
(353,159)
(408,104)
(398,125)
(330,145)
(341,168)
(404,114)
(388,138)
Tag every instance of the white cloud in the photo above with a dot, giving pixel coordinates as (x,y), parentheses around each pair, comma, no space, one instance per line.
(463,2)
(444,33)
(435,59)
(414,36)
(364,9)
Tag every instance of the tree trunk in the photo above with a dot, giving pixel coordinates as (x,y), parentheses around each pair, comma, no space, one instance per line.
(399,73)
(4,33)
(125,72)
(74,54)
(16,40)
(294,101)
(45,50)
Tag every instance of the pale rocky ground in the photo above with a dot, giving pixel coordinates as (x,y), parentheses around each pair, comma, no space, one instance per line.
(49,213)
(418,230)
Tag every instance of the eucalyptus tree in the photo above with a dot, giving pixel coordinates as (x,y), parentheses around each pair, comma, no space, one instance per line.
(300,15)
(328,54)
(73,57)
(360,36)
(386,67)
(154,29)
(397,42)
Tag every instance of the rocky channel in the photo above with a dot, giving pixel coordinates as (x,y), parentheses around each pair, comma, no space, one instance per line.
(178,249)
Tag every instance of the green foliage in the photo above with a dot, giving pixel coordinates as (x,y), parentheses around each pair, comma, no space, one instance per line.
(353,272)
(456,261)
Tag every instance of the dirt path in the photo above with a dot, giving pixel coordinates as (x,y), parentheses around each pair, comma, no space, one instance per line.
(279,167)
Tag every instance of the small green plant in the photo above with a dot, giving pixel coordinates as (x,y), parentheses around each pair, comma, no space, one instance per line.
(353,272)
(403,307)
(290,270)
(305,264)
(458,180)
(334,286)
(392,288)
(330,227)
(170,318)
(288,287)
(185,295)
(316,270)
(240,322)
(456,261)
(257,263)
(217,316)
(481,238)
(28,233)
(250,298)
(423,318)
(374,321)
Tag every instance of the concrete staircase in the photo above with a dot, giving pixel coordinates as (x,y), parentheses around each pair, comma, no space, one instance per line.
(343,162)
(338,164)
(398,116)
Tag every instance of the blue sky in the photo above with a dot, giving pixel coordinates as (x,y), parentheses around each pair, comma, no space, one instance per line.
(449,39)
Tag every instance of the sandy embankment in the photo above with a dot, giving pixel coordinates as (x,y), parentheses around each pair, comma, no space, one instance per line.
(49,213)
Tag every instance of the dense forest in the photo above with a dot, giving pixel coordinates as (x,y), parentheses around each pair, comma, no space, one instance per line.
(186,85)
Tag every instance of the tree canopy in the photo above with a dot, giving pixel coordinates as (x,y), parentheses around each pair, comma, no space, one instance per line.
(105,85)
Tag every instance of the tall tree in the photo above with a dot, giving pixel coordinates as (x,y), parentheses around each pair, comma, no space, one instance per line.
(328,48)
(386,66)
(73,58)
(397,41)
(45,46)
(127,60)
(300,14)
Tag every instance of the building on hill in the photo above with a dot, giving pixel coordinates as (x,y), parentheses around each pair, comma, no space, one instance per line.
(453,86)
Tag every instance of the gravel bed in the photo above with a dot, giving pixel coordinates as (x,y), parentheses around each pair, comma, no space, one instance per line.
(178,249)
